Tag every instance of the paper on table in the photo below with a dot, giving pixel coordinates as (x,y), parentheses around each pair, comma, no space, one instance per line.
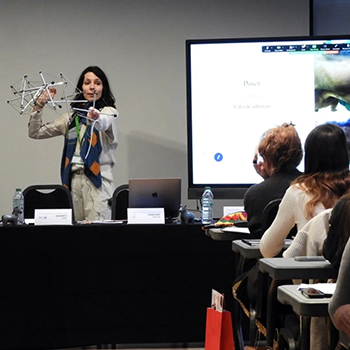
(231,210)
(326,288)
(236,229)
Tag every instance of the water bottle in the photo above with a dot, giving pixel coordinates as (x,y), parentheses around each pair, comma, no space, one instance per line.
(18,202)
(207,206)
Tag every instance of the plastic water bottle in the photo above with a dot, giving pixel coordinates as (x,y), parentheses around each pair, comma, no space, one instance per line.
(18,202)
(207,206)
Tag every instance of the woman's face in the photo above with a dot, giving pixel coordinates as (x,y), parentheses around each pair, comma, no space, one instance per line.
(92,85)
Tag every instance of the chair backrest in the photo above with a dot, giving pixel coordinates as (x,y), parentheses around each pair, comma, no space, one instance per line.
(46,197)
(120,202)
(269,214)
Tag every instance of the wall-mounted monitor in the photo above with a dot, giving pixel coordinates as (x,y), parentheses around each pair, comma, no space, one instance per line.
(239,88)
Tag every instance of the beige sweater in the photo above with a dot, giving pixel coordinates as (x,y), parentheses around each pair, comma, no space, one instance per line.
(107,125)
(309,240)
(291,211)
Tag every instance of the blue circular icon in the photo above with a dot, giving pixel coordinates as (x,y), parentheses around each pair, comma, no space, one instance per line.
(218,157)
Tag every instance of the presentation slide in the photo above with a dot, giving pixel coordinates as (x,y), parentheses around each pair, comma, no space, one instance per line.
(240,90)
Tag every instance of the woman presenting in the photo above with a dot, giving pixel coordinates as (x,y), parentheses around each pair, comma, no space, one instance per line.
(90,133)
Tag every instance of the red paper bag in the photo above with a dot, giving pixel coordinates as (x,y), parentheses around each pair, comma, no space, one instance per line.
(218,330)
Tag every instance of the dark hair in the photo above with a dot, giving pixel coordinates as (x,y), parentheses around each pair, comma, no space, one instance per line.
(339,231)
(326,177)
(281,147)
(107,98)
(326,150)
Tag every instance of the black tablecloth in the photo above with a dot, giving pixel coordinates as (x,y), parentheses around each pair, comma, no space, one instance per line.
(99,284)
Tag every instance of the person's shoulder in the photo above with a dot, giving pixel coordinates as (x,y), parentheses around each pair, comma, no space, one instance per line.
(323,217)
(321,220)
(278,184)
(295,194)
(295,189)
(270,187)
(255,189)
(287,175)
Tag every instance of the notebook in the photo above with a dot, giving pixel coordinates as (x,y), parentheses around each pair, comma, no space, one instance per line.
(156,193)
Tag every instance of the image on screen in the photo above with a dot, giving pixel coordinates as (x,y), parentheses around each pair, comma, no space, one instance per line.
(238,89)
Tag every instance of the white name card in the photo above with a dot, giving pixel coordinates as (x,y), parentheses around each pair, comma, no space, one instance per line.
(231,210)
(146,216)
(53,217)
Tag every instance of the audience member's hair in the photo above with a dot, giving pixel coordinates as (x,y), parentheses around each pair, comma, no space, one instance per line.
(339,231)
(281,148)
(326,177)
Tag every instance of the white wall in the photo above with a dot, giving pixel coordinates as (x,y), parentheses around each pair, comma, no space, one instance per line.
(141,46)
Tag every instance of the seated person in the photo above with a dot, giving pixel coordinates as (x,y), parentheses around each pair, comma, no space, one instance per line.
(309,240)
(326,178)
(339,306)
(281,151)
(339,232)
(327,233)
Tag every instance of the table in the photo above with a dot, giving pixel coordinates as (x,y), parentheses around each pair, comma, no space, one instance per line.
(303,306)
(287,269)
(245,250)
(68,286)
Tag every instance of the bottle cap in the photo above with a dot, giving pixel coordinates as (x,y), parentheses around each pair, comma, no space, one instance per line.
(18,189)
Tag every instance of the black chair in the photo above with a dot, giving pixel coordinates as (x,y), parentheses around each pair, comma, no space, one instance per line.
(46,197)
(269,214)
(120,202)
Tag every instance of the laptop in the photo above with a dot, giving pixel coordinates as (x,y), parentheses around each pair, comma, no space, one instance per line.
(156,193)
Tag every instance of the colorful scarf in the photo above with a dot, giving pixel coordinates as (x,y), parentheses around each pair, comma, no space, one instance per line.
(90,153)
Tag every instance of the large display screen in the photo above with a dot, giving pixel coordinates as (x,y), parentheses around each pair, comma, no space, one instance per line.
(239,88)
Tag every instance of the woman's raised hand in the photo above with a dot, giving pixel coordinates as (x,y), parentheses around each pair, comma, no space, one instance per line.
(44,98)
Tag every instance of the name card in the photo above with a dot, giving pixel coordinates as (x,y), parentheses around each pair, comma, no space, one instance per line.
(231,210)
(146,216)
(53,217)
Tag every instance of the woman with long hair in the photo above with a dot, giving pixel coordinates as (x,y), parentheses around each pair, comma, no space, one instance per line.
(326,178)
(90,132)
(338,233)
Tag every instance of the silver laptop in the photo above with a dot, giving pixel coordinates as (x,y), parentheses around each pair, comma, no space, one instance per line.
(156,193)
